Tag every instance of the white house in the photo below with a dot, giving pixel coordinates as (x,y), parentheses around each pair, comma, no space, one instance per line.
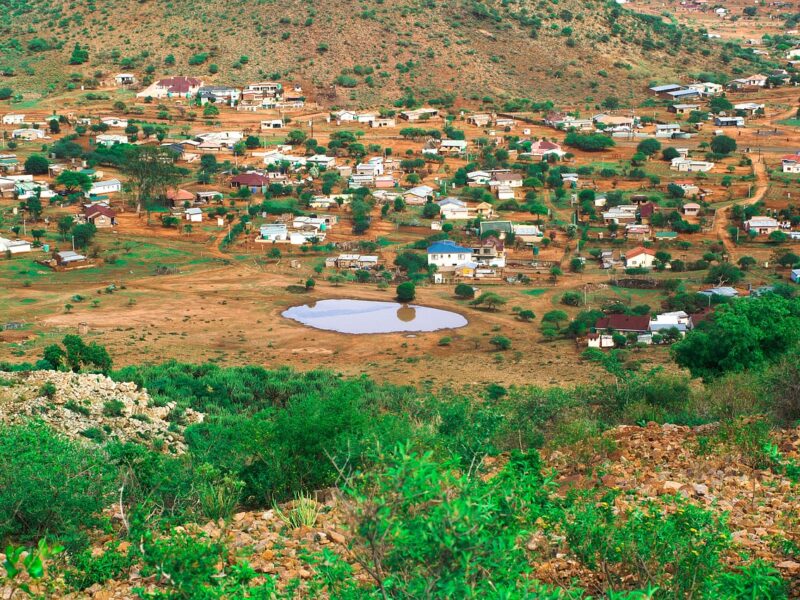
(322,161)
(28,134)
(679,320)
(448,254)
(14,246)
(790,163)
(172,87)
(271,124)
(367,117)
(453,146)
(13,119)
(110,139)
(761,225)
(706,88)
(600,340)
(114,122)
(640,257)
(274,232)
(453,208)
(479,177)
(345,116)
(418,195)
(194,215)
(29,189)
(109,186)
(729,121)
(690,166)
(124,79)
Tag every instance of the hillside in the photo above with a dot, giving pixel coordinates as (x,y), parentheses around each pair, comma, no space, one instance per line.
(359,54)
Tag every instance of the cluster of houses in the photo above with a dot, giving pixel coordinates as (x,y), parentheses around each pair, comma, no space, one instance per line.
(254,97)
(297,230)
(670,325)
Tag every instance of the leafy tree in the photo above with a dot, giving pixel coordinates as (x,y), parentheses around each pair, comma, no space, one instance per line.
(556,317)
(54,126)
(649,146)
(210,110)
(719,104)
(722,144)
(464,291)
(669,153)
(777,237)
(745,262)
(150,170)
(74,181)
(743,334)
(296,137)
(83,234)
(490,300)
(36,164)
(64,225)
(79,55)
(406,291)
(430,210)
(592,142)
(500,342)
(576,265)
(526,315)
(724,274)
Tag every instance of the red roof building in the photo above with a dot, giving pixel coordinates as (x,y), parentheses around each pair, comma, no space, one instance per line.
(625,323)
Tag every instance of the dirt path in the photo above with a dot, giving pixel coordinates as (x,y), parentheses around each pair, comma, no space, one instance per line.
(721,218)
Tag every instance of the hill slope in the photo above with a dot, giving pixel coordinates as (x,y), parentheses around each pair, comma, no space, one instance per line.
(376,51)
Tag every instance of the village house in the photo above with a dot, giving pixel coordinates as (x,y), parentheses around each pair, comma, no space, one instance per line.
(207,196)
(274,232)
(252,180)
(688,165)
(691,209)
(791,163)
(29,135)
(110,139)
(9,163)
(271,124)
(29,189)
(383,122)
(418,195)
(99,214)
(682,109)
(640,258)
(511,180)
(114,122)
(478,178)
(543,148)
(637,231)
(218,94)
(621,215)
(761,225)
(683,94)
(679,320)
(453,209)
(345,116)
(193,215)
(479,120)
(69,258)
(504,122)
(707,88)
(484,210)
(757,80)
(124,79)
(14,246)
(179,197)
(366,117)
(667,130)
(453,146)
(599,340)
(13,119)
(527,234)
(419,114)
(448,254)
(729,121)
(623,323)
(490,252)
(109,186)
(751,108)
(661,90)
(172,87)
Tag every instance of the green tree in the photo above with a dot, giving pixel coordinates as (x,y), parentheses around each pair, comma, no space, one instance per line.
(79,55)
(464,291)
(490,300)
(649,146)
(150,171)
(36,164)
(722,144)
(556,317)
(406,291)
(74,181)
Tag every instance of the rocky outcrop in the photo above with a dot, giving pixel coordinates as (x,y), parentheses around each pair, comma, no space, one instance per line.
(87,406)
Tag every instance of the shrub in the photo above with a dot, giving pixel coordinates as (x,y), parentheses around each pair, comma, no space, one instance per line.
(113,408)
(49,485)
(464,291)
(406,291)
(500,342)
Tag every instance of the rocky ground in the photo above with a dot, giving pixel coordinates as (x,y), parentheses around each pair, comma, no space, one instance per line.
(85,406)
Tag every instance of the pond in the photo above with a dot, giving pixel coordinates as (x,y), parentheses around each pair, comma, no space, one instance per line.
(365,316)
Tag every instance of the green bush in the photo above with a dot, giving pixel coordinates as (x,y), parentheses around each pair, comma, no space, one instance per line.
(50,486)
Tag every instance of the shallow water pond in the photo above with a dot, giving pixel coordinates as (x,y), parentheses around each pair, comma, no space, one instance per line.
(367,316)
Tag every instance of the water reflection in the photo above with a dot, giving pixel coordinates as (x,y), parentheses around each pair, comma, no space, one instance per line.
(365,316)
